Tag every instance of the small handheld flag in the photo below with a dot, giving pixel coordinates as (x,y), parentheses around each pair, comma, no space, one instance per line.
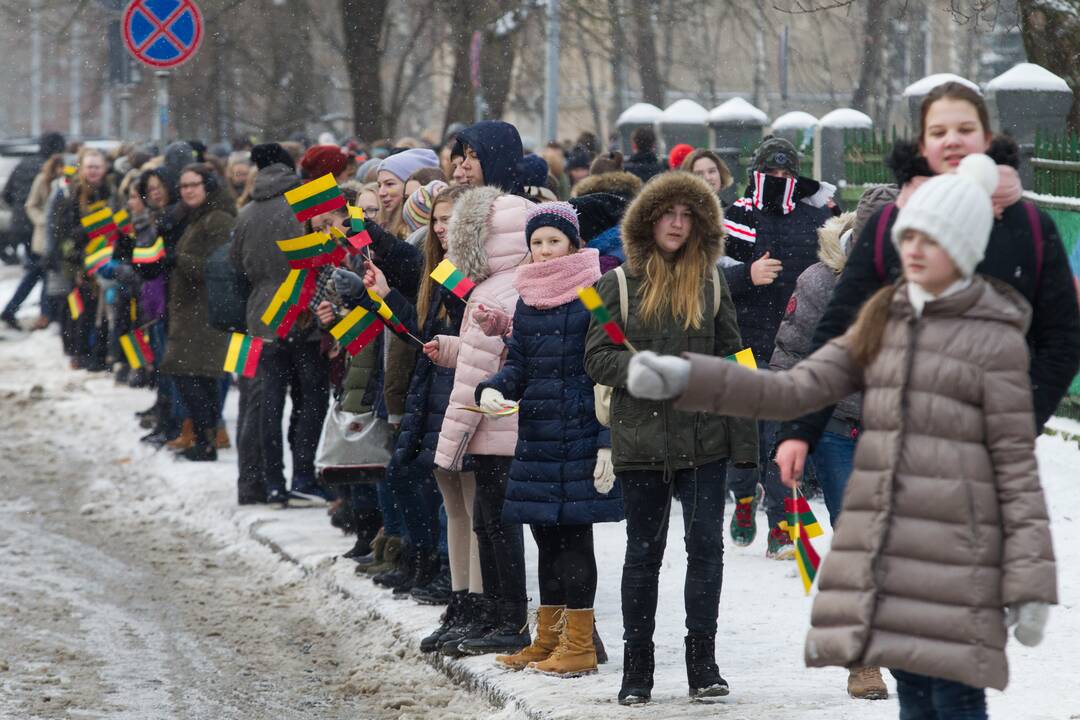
(806,558)
(356,219)
(123,222)
(147,255)
(100,224)
(799,513)
(311,250)
(353,243)
(291,298)
(243,355)
(745,358)
(357,223)
(357,329)
(75,304)
(592,301)
(136,349)
(390,319)
(447,275)
(315,198)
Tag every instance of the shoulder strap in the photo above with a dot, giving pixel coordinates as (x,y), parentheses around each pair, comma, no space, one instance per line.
(624,295)
(715,290)
(1036,239)
(879,241)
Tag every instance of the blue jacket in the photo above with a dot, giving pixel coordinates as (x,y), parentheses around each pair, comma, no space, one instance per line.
(551,477)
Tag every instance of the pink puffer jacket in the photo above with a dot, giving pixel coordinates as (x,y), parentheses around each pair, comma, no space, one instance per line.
(486,240)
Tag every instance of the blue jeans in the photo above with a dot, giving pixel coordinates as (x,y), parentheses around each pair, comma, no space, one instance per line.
(414,491)
(393,523)
(928,698)
(647,499)
(30,278)
(834,457)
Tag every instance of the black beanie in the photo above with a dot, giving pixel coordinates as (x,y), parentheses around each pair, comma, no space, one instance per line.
(267,154)
(51,143)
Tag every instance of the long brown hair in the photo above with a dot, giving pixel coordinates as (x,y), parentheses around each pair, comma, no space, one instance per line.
(676,286)
(953,91)
(53,168)
(869,328)
(434,253)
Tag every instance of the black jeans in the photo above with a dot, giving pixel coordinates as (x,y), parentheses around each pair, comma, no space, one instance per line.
(567,566)
(929,698)
(413,489)
(502,546)
(647,499)
(281,364)
(249,482)
(200,396)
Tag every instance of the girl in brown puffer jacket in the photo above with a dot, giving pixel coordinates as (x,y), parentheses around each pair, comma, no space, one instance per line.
(944,538)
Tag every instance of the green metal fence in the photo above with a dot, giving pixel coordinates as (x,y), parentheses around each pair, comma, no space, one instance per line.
(1056,165)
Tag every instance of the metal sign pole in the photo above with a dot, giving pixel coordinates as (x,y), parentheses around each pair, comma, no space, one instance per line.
(125,112)
(161,127)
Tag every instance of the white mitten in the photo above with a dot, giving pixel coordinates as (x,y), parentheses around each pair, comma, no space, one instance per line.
(1030,620)
(604,472)
(657,377)
(492,401)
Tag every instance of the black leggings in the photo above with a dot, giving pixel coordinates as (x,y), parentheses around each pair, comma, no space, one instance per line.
(200,396)
(567,566)
(502,547)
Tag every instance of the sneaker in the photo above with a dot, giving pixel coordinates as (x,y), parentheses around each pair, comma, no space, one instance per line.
(744,519)
(780,545)
(866,683)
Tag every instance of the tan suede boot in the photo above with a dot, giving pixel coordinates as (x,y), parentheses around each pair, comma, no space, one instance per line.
(391,553)
(866,683)
(575,655)
(186,438)
(221,438)
(548,623)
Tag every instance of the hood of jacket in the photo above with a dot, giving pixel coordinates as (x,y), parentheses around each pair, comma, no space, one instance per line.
(487,233)
(556,282)
(833,248)
(663,191)
(274,180)
(986,298)
(624,184)
(498,146)
(178,155)
(598,212)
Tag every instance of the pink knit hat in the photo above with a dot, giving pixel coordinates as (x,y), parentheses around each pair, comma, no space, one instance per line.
(560,215)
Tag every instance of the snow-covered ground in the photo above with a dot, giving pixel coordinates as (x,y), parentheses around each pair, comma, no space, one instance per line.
(763,611)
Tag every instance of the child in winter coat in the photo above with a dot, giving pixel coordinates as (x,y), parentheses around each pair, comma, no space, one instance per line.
(561,479)
(944,539)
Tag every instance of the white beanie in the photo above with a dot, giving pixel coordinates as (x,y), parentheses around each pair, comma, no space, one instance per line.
(955,210)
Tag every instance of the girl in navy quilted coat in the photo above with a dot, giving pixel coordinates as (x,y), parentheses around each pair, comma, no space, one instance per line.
(561,480)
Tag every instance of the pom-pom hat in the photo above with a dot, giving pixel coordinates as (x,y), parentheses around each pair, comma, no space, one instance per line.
(559,215)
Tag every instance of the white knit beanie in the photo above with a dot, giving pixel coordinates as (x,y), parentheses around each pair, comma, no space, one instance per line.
(955,210)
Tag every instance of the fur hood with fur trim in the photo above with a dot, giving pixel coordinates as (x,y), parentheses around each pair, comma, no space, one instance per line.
(487,232)
(619,182)
(663,191)
(833,248)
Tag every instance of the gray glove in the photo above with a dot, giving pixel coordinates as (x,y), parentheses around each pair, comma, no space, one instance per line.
(657,377)
(347,284)
(1030,621)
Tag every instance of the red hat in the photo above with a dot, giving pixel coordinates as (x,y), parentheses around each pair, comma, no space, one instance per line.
(322,159)
(678,154)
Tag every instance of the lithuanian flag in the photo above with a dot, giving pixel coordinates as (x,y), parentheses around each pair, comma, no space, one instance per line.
(100,224)
(799,513)
(353,244)
(75,304)
(357,329)
(93,262)
(136,348)
(311,250)
(152,254)
(124,223)
(290,299)
(806,558)
(746,359)
(591,300)
(447,275)
(315,198)
(356,219)
(243,355)
(387,314)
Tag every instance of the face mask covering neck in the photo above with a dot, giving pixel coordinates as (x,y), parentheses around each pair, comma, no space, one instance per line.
(778,195)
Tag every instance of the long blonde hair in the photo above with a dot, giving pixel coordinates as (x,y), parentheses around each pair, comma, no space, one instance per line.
(434,253)
(675,286)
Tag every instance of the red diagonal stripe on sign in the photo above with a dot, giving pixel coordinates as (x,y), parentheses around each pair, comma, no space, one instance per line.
(162,28)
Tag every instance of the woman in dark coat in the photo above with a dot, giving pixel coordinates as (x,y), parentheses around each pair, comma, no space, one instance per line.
(195,352)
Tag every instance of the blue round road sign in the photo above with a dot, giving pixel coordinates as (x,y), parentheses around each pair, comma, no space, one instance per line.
(162,33)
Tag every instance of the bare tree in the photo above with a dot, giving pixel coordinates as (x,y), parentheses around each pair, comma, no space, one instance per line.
(363,22)
(648,61)
(1051,31)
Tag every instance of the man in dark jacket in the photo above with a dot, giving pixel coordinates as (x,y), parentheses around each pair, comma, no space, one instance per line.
(772,239)
(15,194)
(493,155)
(643,162)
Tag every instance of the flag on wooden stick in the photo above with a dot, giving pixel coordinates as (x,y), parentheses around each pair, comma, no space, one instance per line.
(447,275)
(315,198)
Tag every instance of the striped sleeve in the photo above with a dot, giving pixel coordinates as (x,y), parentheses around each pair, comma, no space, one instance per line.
(739,221)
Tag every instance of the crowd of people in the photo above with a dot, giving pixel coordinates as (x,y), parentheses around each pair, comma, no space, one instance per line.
(915,346)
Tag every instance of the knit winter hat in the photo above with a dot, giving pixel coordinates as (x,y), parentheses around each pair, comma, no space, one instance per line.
(322,159)
(678,154)
(267,154)
(559,215)
(775,153)
(404,164)
(416,210)
(955,210)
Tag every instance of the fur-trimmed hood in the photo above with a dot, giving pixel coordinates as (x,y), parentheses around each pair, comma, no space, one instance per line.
(487,232)
(656,197)
(621,183)
(833,249)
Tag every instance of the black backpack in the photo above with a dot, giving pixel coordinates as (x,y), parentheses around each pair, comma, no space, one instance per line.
(227,290)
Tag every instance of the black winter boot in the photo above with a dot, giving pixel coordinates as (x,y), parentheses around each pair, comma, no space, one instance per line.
(424,567)
(484,618)
(436,592)
(637,678)
(510,635)
(702,674)
(450,619)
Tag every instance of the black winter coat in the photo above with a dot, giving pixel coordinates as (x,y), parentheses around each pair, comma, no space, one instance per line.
(16,192)
(644,165)
(1053,337)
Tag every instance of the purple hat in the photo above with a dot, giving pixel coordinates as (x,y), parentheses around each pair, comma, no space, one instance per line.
(560,215)
(404,164)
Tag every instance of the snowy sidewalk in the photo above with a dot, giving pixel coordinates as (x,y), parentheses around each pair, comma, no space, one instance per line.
(763,612)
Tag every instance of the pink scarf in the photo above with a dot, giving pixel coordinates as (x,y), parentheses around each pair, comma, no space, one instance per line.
(1009,190)
(555,282)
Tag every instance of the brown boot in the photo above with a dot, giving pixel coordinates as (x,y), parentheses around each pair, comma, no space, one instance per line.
(186,438)
(865,683)
(221,439)
(391,553)
(575,654)
(548,623)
